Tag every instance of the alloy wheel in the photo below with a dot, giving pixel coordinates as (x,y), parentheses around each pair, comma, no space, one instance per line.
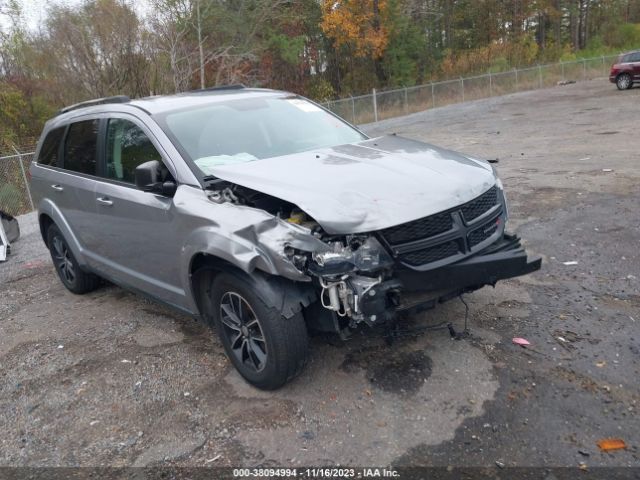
(242,327)
(63,260)
(624,82)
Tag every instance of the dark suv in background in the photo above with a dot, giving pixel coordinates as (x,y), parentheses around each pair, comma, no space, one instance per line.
(626,71)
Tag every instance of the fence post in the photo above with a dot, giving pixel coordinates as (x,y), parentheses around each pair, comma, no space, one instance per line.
(584,69)
(603,67)
(433,96)
(462,83)
(406,102)
(517,86)
(24,177)
(490,85)
(353,109)
(562,65)
(540,75)
(375,105)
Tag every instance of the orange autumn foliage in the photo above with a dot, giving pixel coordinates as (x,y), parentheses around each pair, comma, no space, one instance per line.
(356,23)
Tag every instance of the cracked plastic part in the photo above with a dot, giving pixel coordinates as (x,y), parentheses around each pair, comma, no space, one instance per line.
(246,237)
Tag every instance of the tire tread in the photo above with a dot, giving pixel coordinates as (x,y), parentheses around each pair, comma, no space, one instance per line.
(289,337)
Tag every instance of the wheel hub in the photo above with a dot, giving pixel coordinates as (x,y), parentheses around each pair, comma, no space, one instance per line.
(243,331)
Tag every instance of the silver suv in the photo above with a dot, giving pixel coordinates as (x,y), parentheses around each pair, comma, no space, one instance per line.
(265,215)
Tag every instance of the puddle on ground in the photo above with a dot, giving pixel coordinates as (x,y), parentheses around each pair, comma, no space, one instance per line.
(398,372)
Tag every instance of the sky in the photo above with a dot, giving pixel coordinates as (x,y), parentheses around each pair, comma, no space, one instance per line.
(33,12)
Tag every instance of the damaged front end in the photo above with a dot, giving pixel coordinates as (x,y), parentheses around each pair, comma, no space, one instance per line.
(356,280)
(367,278)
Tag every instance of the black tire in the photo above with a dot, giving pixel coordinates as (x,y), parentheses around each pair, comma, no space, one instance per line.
(266,348)
(71,275)
(624,81)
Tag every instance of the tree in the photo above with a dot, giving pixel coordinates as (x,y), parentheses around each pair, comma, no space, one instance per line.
(96,49)
(357,25)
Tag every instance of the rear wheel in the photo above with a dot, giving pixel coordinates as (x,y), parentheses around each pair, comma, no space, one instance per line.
(624,82)
(70,273)
(266,348)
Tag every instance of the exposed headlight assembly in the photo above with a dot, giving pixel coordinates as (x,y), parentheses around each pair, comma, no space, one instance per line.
(369,256)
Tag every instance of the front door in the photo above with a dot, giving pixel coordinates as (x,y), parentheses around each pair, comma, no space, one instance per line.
(136,242)
(635,64)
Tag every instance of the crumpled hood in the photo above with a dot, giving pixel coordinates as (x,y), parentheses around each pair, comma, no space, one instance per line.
(367,186)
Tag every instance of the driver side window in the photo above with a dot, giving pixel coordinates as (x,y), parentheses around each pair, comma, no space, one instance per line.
(127,147)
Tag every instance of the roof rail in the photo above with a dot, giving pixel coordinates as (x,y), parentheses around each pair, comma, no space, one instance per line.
(97,101)
(235,86)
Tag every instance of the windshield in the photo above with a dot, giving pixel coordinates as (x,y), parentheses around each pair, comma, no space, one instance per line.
(246,130)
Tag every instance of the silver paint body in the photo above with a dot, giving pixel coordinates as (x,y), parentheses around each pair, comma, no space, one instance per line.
(147,242)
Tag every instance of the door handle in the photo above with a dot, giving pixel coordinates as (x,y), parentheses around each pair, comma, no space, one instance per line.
(57,188)
(104,201)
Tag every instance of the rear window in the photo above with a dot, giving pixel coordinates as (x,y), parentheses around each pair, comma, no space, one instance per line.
(50,147)
(81,150)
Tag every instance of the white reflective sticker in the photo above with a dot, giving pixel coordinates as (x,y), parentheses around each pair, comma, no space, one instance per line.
(303,105)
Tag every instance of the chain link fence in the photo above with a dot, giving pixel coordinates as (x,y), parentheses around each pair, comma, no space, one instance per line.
(402,101)
(15,194)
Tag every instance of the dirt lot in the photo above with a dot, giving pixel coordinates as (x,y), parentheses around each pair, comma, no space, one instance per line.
(112,379)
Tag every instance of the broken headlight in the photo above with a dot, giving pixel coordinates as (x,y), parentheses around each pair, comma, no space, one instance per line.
(363,255)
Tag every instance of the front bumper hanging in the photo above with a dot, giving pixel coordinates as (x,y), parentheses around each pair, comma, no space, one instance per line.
(504,259)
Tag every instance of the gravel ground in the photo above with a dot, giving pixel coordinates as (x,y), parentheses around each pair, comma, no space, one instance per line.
(111,379)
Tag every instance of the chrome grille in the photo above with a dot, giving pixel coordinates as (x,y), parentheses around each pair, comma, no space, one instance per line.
(480,205)
(418,229)
(431,254)
(481,234)
(444,235)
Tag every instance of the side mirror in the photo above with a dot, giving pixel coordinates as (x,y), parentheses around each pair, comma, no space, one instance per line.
(168,188)
(147,174)
(148,178)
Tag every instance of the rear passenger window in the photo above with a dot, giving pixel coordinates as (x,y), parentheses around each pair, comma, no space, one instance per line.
(127,147)
(81,147)
(49,151)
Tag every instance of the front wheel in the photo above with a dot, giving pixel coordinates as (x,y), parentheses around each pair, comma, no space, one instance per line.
(624,82)
(266,348)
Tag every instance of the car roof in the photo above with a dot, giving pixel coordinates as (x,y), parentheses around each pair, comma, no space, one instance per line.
(164,103)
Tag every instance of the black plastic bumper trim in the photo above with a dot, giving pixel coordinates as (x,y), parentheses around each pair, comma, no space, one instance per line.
(503,259)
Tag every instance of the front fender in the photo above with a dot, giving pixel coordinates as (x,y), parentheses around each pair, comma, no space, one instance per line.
(259,246)
(247,238)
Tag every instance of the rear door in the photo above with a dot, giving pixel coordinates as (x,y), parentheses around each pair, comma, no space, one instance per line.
(136,236)
(68,177)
